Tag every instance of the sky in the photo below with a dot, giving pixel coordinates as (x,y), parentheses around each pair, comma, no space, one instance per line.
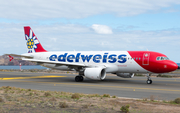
(91,25)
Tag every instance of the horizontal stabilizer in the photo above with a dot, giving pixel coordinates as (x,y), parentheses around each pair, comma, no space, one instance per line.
(15,55)
(10,58)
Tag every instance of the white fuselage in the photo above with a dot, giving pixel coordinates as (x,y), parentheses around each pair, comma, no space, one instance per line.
(113,61)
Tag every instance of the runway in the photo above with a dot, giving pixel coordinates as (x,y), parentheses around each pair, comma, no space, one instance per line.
(160,89)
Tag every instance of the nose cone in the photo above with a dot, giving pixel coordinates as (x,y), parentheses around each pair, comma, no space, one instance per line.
(172,66)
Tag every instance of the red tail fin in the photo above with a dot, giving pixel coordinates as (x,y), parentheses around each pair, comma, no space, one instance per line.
(33,44)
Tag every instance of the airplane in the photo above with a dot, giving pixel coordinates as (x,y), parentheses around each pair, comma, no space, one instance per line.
(95,64)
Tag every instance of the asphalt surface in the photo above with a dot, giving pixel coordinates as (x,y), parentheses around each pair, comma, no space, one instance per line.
(160,89)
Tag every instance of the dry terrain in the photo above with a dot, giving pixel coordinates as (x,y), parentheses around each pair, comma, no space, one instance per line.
(18,100)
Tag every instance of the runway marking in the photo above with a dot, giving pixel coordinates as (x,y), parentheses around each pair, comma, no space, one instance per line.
(54,74)
(104,86)
(141,79)
(118,87)
(144,79)
(49,76)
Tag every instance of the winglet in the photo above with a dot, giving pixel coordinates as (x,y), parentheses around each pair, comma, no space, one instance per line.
(33,44)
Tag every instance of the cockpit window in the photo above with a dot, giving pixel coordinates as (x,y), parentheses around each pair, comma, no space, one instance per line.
(158,58)
(162,58)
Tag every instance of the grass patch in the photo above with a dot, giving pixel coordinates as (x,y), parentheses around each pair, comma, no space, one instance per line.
(125,109)
(46,94)
(75,96)
(28,89)
(30,94)
(106,95)
(138,74)
(177,101)
(93,95)
(63,105)
(166,76)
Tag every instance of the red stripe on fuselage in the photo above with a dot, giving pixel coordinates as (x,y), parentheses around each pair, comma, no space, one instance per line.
(148,60)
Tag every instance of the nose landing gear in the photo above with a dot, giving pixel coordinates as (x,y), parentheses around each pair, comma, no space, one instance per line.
(149,81)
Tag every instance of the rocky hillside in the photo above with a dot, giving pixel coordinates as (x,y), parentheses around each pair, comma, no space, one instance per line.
(4,60)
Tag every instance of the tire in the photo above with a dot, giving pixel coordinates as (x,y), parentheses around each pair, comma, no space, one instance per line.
(149,81)
(79,78)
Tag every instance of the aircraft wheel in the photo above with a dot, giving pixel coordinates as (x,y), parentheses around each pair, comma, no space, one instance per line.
(79,78)
(149,82)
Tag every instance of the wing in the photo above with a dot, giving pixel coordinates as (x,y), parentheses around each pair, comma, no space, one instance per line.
(30,58)
(55,62)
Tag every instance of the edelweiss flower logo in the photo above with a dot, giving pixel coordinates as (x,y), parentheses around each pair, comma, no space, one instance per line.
(31,42)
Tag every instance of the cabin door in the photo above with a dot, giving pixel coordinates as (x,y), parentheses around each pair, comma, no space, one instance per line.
(146,57)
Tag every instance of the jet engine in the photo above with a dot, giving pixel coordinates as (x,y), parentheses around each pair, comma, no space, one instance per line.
(125,75)
(95,73)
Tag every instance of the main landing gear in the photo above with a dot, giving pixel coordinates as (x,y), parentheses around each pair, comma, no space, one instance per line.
(149,81)
(79,78)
